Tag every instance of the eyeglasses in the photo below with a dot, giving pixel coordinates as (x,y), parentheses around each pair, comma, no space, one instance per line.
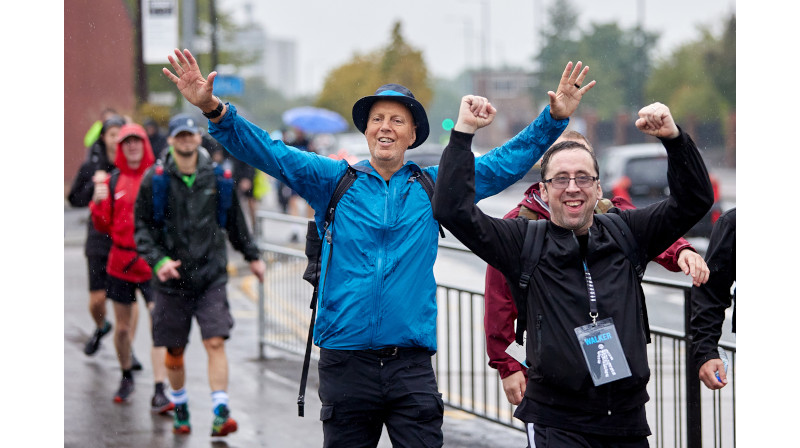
(562,182)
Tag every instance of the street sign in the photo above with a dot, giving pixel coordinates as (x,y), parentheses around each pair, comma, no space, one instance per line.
(228,85)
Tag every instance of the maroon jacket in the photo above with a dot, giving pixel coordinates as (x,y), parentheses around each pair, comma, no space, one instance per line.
(500,310)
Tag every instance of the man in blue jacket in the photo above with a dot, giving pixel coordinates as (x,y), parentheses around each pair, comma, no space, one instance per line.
(376,324)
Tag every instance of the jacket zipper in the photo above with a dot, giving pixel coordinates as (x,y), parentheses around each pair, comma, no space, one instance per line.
(379,262)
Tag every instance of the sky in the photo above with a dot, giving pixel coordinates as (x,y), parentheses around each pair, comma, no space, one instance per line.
(455,34)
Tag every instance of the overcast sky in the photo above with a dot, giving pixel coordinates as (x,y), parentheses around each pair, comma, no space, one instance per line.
(451,32)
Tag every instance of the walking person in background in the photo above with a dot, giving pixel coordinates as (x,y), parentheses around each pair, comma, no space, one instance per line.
(501,312)
(112,209)
(376,325)
(94,131)
(181,226)
(99,162)
(157,139)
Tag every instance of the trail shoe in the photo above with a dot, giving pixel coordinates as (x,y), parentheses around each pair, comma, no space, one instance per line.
(135,364)
(94,342)
(223,423)
(125,389)
(180,422)
(160,404)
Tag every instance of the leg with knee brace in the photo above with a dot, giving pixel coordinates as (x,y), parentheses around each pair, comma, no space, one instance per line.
(174,358)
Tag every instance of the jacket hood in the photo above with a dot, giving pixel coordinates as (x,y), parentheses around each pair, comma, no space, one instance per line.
(534,201)
(148,158)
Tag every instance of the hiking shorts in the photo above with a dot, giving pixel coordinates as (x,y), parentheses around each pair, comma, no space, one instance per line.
(124,292)
(98,278)
(173,312)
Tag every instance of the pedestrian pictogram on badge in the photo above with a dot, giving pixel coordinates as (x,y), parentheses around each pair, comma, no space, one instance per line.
(602,352)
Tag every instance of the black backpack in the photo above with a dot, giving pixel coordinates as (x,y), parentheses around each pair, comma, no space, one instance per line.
(532,251)
(314,254)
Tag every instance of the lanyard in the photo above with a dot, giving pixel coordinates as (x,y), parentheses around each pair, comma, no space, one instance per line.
(592,296)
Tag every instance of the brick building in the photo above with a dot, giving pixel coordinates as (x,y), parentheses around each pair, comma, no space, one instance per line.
(99,70)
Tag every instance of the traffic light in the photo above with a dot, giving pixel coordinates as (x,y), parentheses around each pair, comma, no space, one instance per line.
(447,124)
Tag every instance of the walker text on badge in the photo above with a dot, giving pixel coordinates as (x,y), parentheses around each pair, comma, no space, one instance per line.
(598,338)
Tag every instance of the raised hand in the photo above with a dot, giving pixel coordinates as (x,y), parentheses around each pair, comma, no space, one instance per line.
(570,91)
(190,82)
(656,120)
(474,113)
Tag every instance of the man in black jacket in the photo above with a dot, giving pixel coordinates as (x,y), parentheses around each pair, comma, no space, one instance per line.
(584,291)
(709,302)
(186,249)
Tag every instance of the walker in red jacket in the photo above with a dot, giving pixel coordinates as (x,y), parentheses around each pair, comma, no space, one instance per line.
(112,210)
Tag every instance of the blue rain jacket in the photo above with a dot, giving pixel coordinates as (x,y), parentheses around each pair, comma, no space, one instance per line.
(378,289)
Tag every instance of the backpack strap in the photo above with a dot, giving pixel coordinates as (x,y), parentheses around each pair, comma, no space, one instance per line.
(224,193)
(160,193)
(312,272)
(529,259)
(623,236)
(427,183)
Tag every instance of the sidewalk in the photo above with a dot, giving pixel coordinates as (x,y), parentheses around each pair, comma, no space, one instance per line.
(263,393)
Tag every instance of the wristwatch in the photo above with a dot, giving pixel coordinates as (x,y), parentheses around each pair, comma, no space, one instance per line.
(216,112)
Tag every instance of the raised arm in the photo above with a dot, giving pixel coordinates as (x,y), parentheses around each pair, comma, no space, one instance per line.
(691,196)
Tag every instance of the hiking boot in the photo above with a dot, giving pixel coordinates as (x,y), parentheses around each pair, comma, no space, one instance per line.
(223,423)
(160,404)
(135,364)
(94,342)
(180,422)
(125,389)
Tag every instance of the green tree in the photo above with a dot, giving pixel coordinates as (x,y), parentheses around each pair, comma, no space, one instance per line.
(620,62)
(698,80)
(560,39)
(397,62)
(618,59)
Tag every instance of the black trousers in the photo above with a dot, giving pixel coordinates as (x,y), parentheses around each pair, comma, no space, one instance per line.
(540,436)
(363,390)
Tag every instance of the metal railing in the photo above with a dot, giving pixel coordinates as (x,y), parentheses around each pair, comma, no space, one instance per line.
(681,412)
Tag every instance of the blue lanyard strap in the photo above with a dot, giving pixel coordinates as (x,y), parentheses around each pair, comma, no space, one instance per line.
(592,296)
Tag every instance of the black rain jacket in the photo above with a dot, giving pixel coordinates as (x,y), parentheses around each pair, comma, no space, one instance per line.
(558,300)
(190,232)
(80,194)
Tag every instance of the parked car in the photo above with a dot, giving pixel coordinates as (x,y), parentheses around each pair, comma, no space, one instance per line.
(638,173)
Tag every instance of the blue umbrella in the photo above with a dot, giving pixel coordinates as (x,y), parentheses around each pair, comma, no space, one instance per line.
(315,120)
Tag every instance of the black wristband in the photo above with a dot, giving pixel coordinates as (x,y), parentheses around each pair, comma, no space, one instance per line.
(216,112)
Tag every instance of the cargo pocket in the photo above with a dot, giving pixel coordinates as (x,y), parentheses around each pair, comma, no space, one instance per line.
(326,413)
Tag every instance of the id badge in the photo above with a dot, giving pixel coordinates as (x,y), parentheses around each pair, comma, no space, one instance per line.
(602,352)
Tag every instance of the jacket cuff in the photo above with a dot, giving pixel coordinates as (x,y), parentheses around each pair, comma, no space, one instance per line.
(227,120)
(507,369)
(461,140)
(704,359)
(159,264)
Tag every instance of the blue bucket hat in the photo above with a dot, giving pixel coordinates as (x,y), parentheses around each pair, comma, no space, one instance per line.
(394,92)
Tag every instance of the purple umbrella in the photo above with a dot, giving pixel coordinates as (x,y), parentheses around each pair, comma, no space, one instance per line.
(314,120)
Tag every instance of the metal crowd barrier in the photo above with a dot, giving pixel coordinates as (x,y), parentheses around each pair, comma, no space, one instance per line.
(681,411)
